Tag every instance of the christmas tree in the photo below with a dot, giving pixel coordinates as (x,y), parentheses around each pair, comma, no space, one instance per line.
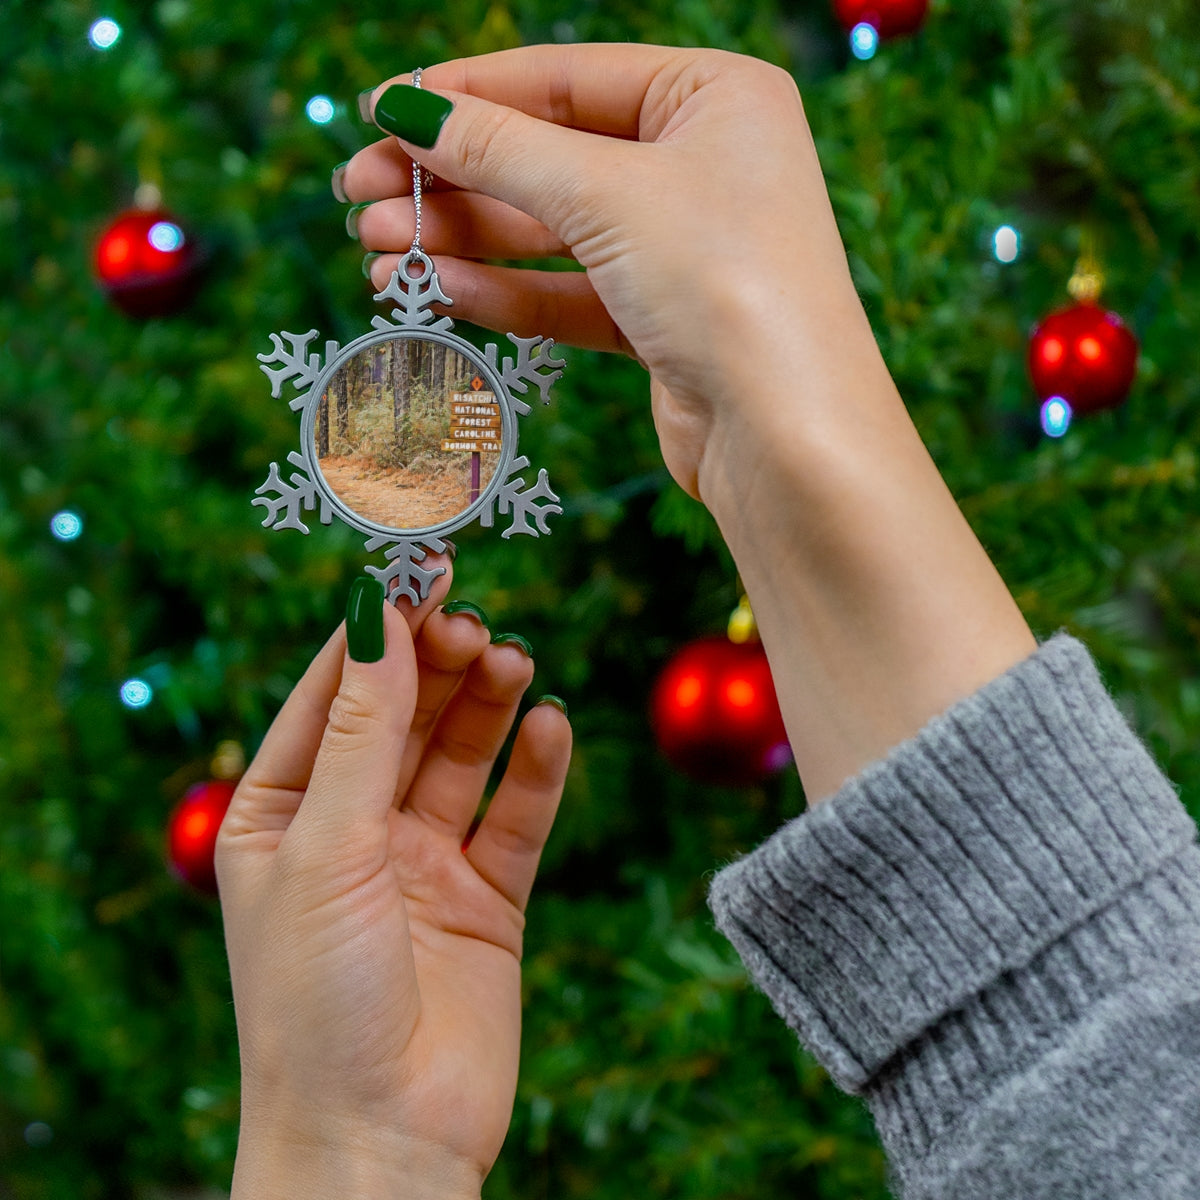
(151,627)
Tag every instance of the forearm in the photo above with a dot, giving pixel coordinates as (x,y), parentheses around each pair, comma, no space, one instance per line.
(878,606)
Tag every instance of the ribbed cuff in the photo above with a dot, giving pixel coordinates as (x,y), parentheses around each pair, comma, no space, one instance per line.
(1008,821)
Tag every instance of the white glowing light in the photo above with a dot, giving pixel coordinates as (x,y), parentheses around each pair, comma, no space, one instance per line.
(165,236)
(1006,244)
(319,110)
(864,40)
(136,693)
(66,526)
(104,33)
(1056,417)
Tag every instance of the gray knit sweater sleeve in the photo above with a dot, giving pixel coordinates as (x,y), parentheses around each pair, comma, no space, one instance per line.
(993,935)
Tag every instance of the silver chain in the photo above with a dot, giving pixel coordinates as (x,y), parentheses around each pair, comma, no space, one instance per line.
(417,171)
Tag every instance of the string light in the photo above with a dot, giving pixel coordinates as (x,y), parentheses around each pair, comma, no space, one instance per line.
(320,110)
(104,33)
(136,693)
(864,40)
(165,236)
(66,525)
(1056,417)
(1006,244)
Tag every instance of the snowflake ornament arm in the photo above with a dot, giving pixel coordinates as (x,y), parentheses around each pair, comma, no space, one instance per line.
(298,365)
(404,576)
(290,497)
(535,363)
(523,502)
(414,298)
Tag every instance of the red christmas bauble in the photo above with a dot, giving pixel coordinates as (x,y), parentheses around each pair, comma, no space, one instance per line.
(192,832)
(1085,355)
(715,714)
(889,18)
(146,264)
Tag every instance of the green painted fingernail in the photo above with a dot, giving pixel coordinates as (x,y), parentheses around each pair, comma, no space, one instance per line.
(557,701)
(465,606)
(368,259)
(412,113)
(352,219)
(337,181)
(363,103)
(512,639)
(364,620)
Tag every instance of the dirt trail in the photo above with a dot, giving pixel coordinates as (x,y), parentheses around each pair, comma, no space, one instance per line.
(403,498)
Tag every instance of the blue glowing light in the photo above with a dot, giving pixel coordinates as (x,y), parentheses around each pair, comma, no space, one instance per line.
(136,693)
(165,236)
(320,110)
(104,33)
(1056,417)
(66,526)
(1006,244)
(864,40)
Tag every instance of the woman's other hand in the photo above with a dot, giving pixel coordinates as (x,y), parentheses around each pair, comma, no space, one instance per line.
(375,950)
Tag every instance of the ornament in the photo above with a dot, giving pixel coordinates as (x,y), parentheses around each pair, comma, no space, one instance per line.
(715,714)
(888,18)
(1085,356)
(409,432)
(192,832)
(1082,359)
(146,264)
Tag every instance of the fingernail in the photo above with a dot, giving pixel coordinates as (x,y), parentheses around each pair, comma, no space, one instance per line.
(352,219)
(412,113)
(512,639)
(451,550)
(364,620)
(368,259)
(364,105)
(465,606)
(337,182)
(557,701)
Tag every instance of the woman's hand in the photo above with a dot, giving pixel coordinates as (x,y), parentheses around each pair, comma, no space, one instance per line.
(375,960)
(687,185)
(684,181)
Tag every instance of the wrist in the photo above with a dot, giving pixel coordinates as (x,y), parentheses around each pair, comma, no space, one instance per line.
(798,377)
(335,1158)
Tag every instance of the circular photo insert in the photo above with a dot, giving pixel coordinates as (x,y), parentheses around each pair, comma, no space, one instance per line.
(408,434)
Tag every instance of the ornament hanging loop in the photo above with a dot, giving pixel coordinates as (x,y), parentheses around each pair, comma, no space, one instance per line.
(416,257)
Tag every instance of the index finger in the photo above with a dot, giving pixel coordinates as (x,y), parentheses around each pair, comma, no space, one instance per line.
(597,88)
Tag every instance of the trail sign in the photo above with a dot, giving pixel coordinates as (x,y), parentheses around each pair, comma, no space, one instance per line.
(474,426)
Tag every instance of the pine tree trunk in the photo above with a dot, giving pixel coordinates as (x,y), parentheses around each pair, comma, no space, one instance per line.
(399,354)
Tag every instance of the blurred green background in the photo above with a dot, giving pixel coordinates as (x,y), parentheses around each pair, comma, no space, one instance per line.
(650,1066)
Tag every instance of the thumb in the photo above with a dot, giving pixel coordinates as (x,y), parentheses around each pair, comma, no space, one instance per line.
(354,776)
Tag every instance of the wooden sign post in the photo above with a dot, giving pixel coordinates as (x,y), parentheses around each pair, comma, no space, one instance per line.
(474,427)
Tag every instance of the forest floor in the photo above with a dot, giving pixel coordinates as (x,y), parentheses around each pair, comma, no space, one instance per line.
(404,497)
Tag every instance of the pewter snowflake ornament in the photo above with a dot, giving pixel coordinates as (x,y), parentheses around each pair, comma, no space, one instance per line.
(409,432)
